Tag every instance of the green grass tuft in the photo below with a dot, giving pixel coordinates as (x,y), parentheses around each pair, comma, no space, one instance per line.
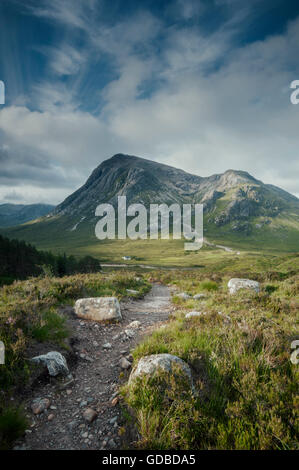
(52,327)
(12,426)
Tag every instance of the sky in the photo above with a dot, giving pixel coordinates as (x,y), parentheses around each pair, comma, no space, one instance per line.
(200,85)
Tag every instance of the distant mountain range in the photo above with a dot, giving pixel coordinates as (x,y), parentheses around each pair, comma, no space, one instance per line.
(16,214)
(238,209)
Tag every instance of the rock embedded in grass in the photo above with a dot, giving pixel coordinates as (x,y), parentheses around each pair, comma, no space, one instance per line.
(199,296)
(236,284)
(98,309)
(153,364)
(194,314)
(184,295)
(54,361)
(124,363)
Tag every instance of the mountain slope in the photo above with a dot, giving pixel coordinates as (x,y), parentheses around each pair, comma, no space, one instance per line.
(239,210)
(16,214)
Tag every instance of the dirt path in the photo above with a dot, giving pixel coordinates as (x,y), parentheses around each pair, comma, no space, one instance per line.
(96,378)
(222,247)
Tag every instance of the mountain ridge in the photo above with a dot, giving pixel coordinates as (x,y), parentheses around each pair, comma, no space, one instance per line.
(17,214)
(238,208)
(138,168)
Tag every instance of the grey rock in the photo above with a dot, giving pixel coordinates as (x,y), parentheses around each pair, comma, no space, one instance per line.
(130,333)
(98,309)
(54,361)
(199,296)
(236,284)
(113,420)
(134,324)
(111,444)
(150,365)
(124,363)
(193,314)
(39,405)
(184,295)
(90,415)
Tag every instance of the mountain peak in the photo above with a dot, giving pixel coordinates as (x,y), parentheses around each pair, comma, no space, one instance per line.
(121,157)
(242,173)
(234,177)
(124,158)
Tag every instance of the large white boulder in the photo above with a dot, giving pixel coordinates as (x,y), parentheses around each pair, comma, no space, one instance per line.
(54,361)
(151,365)
(98,309)
(236,284)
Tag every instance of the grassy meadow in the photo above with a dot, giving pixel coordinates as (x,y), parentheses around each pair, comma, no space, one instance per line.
(57,234)
(239,351)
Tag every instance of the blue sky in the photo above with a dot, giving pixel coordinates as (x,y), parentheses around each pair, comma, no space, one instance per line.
(201,85)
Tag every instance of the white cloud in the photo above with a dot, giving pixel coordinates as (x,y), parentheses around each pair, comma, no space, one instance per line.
(73,13)
(65,137)
(66,60)
(208,105)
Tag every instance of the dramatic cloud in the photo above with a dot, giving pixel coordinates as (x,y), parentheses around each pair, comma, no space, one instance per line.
(171,90)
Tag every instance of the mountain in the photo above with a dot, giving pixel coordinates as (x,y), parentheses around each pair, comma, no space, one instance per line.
(16,214)
(239,210)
